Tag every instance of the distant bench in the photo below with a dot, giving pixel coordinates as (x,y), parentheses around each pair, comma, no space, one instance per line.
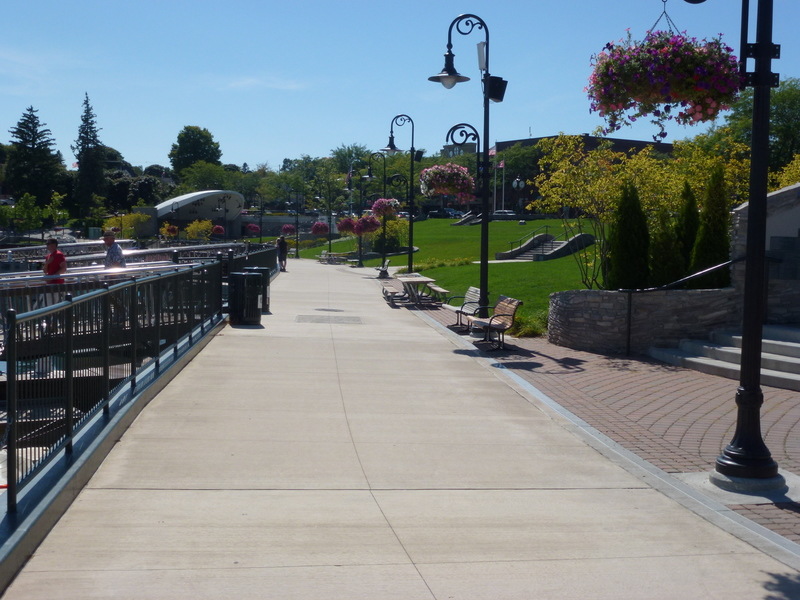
(333,258)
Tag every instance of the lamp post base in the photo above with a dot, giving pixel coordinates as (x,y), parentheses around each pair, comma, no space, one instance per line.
(748,485)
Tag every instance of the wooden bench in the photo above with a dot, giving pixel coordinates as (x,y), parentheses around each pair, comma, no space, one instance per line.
(390,292)
(438,292)
(333,258)
(468,306)
(501,320)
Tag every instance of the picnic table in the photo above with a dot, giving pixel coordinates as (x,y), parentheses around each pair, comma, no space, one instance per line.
(412,284)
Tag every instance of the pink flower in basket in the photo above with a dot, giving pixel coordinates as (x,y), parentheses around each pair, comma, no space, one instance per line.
(320,228)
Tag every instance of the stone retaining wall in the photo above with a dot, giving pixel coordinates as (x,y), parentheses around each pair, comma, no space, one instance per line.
(599,321)
(611,322)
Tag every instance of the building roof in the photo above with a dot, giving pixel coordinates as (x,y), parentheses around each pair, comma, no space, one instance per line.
(208,204)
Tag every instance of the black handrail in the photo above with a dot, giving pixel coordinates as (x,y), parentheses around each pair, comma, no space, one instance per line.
(528,236)
(669,286)
(68,361)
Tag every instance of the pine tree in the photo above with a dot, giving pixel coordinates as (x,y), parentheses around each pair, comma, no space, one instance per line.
(33,166)
(712,246)
(629,243)
(91,160)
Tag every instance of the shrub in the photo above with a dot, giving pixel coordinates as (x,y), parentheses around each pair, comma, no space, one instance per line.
(629,241)
(712,246)
(199,230)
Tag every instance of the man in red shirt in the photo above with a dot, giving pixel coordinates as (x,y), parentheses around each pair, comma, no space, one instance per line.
(55,263)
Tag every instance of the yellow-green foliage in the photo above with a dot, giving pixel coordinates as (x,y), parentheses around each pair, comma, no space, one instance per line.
(199,230)
(789,175)
(130,225)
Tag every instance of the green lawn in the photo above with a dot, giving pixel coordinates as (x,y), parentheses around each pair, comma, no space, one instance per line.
(440,243)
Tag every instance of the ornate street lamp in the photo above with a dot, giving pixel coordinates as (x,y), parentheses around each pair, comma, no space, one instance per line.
(493,89)
(747,456)
(298,196)
(390,148)
(462,134)
(518,185)
(369,176)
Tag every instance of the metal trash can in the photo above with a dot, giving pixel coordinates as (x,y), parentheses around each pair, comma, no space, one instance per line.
(244,296)
(265,274)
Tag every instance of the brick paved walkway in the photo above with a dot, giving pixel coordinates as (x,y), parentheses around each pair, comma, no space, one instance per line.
(676,419)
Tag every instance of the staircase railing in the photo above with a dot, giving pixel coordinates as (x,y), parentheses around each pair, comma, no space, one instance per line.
(521,241)
(670,286)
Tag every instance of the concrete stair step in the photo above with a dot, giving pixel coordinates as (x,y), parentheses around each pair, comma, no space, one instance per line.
(770,345)
(733,354)
(780,355)
(722,368)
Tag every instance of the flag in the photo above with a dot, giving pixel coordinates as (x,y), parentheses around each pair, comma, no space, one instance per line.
(501,164)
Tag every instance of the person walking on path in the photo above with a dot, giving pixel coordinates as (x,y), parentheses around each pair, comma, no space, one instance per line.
(283,252)
(114,257)
(55,263)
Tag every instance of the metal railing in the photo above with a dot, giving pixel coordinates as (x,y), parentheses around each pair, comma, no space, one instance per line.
(524,239)
(670,286)
(89,353)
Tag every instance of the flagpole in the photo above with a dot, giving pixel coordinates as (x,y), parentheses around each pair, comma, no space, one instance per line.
(494,191)
(504,185)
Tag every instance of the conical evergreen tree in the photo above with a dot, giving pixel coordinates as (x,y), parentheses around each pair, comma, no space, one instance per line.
(666,259)
(629,243)
(91,161)
(687,225)
(712,246)
(33,166)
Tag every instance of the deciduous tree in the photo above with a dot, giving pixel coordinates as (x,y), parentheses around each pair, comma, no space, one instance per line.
(194,144)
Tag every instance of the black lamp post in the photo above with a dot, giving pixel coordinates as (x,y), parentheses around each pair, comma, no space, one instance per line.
(494,89)
(369,176)
(222,205)
(297,198)
(747,456)
(360,207)
(401,120)
(518,185)
(260,218)
(462,134)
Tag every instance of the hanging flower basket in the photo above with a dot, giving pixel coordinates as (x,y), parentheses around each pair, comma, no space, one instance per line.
(172,230)
(384,207)
(448,180)
(320,228)
(253,229)
(218,230)
(366,224)
(666,76)
(288,229)
(346,225)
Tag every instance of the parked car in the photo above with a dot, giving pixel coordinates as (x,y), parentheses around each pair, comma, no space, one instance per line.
(444,213)
(504,213)
(402,215)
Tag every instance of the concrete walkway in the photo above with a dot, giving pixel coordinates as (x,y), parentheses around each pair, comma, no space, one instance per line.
(349,450)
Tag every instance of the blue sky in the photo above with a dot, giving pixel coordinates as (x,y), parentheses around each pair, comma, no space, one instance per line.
(272,80)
